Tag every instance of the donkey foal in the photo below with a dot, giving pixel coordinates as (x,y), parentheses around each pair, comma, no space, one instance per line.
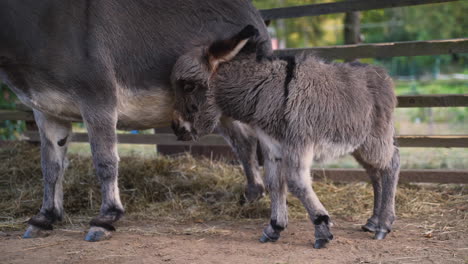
(302,110)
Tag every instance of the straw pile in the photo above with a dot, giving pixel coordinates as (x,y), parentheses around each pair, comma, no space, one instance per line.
(183,188)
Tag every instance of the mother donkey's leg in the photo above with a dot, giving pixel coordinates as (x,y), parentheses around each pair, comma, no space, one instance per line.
(101,124)
(55,135)
(243,140)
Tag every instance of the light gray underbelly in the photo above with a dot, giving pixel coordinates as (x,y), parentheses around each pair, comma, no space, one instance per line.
(142,110)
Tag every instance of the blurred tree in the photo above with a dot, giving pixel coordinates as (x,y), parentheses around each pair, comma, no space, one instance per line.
(422,22)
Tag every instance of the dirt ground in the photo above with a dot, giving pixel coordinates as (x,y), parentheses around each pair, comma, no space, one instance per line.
(237,242)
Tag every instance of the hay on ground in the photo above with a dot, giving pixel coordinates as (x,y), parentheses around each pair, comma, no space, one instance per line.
(183,188)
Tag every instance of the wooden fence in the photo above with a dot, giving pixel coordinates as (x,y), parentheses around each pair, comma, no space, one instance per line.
(347,52)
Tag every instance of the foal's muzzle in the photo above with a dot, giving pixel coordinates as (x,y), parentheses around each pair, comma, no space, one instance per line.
(183,129)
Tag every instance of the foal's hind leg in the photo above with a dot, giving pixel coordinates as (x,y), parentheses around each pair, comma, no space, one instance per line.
(55,135)
(376,179)
(103,139)
(384,180)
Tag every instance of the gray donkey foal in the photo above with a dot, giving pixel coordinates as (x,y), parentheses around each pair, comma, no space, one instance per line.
(302,110)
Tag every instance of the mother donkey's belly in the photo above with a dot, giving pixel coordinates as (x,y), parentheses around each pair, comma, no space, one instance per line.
(135,110)
(144,110)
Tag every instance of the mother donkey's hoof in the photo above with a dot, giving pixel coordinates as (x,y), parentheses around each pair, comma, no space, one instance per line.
(252,193)
(97,233)
(35,232)
(265,239)
(369,227)
(379,235)
(321,243)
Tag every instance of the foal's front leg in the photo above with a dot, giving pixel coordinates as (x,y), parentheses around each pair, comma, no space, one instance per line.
(276,186)
(297,166)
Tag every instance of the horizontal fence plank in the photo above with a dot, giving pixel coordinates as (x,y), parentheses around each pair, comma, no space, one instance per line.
(434,100)
(165,139)
(340,7)
(216,140)
(384,50)
(433,141)
(408,175)
(16,115)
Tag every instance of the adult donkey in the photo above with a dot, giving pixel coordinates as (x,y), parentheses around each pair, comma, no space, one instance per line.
(108,63)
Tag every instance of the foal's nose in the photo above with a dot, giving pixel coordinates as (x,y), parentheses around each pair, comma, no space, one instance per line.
(182,129)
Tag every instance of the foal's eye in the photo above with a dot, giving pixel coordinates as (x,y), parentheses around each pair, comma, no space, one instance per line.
(188,87)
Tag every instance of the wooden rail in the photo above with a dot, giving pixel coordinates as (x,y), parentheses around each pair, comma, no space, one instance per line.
(433,141)
(384,50)
(16,115)
(408,175)
(340,7)
(435,100)
(216,140)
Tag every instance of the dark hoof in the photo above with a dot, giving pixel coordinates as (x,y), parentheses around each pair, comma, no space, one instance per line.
(266,239)
(252,194)
(369,227)
(320,243)
(379,235)
(97,233)
(35,232)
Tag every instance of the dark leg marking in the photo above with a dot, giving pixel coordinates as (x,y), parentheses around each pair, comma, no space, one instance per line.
(321,219)
(44,220)
(275,226)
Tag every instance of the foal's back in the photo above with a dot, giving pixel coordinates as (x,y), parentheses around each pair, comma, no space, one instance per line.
(331,103)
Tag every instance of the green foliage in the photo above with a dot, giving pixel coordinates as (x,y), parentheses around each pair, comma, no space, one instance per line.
(9,130)
(413,23)
(425,22)
(304,31)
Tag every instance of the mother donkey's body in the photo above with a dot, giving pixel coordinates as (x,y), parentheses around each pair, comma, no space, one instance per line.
(108,63)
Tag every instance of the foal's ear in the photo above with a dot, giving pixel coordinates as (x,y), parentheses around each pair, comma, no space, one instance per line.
(225,50)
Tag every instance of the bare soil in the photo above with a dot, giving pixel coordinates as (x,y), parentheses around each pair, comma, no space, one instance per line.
(237,242)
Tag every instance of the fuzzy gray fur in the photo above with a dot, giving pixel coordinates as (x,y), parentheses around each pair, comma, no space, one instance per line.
(302,109)
(108,63)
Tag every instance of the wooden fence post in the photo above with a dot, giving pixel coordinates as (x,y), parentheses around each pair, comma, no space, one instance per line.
(352,29)
(211,152)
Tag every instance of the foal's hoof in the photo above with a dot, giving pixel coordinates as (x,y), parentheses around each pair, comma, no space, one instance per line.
(35,232)
(97,233)
(266,239)
(379,235)
(369,227)
(320,243)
